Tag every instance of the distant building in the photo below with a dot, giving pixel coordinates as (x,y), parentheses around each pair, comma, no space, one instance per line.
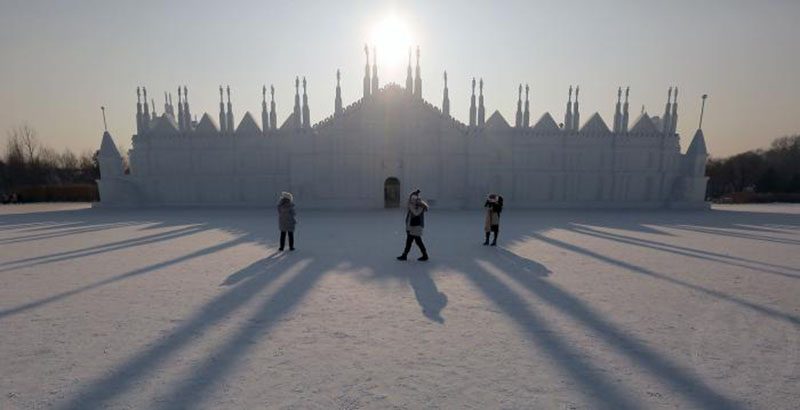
(371,153)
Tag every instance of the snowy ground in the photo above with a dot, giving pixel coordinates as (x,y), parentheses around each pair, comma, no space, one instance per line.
(578,309)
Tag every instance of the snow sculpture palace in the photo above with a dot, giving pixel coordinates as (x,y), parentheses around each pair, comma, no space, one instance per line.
(371,153)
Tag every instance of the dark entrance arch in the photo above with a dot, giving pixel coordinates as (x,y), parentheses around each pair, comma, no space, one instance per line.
(391,193)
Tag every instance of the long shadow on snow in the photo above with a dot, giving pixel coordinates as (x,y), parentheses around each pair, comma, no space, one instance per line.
(136,272)
(260,275)
(207,375)
(688,252)
(685,383)
(95,250)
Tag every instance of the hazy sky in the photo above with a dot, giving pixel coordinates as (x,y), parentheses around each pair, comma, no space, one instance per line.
(62,60)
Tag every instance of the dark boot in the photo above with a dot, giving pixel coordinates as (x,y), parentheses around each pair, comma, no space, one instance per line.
(283,240)
(494,241)
(409,240)
(291,241)
(418,240)
(486,242)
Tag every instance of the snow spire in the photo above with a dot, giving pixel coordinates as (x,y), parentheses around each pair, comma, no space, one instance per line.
(625,116)
(229,122)
(526,116)
(409,79)
(445,98)
(366,72)
(264,111)
(181,117)
(273,116)
(146,114)
(297,113)
(666,121)
(481,109)
(518,118)
(171,107)
(166,103)
(374,70)
(188,121)
(338,102)
(673,126)
(418,79)
(153,104)
(306,113)
(139,127)
(576,114)
(223,128)
(472,105)
(568,114)
(617,113)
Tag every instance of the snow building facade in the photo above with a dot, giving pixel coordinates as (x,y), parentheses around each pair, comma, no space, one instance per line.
(371,153)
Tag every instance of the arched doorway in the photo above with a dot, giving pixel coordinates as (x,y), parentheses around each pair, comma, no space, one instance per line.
(391,193)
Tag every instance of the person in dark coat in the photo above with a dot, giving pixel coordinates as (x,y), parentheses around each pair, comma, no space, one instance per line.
(415,224)
(286,219)
(493,206)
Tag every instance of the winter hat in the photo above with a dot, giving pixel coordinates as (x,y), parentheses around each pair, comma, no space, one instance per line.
(287,195)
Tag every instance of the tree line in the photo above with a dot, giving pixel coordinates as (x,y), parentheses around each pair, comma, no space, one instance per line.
(762,174)
(33,171)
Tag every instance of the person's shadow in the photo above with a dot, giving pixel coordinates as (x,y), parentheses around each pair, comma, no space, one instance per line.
(428,296)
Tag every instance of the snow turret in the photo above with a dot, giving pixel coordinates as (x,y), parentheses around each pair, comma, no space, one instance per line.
(229,118)
(625,116)
(526,116)
(146,114)
(418,79)
(139,117)
(306,113)
(297,121)
(223,128)
(167,108)
(518,118)
(673,128)
(181,117)
(273,115)
(109,158)
(374,70)
(445,98)
(568,114)
(576,112)
(617,112)
(666,120)
(690,186)
(481,108)
(697,153)
(472,110)
(366,73)
(337,104)
(264,112)
(188,121)
(409,79)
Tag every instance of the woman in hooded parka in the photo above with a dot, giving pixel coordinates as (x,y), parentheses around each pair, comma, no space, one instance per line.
(286,219)
(493,205)
(415,223)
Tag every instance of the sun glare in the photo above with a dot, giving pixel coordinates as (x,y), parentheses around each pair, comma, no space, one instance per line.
(392,38)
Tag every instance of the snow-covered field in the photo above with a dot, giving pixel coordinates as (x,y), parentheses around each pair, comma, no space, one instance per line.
(194,308)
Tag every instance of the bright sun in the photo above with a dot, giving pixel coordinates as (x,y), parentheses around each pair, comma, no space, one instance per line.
(392,38)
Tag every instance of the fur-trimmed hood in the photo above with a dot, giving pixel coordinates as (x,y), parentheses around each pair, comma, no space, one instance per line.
(286,196)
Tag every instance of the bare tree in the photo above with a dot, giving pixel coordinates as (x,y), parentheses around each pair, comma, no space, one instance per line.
(27,139)
(68,160)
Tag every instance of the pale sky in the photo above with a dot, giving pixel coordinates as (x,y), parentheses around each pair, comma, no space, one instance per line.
(62,60)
